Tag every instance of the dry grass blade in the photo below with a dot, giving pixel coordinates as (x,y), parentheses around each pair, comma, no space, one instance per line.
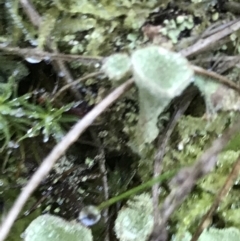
(203,44)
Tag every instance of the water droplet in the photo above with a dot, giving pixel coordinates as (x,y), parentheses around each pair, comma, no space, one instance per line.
(89,215)
(30,133)
(45,138)
(61,74)
(33,60)
(12,144)
(23,235)
(19,112)
(34,42)
(97,65)
(26,213)
(47,59)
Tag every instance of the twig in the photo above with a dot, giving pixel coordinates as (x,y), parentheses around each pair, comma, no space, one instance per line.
(202,166)
(102,166)
(58,65)
(105,189)
(203,44)
(31,12)
(57,152)
(224,62)
(217,77)
(67,86)
(43,55)
(62,71)
(223,192)
(216,27)
(163,141)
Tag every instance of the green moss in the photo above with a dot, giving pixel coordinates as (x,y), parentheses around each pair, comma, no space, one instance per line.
(191,211)
(27,29)
(213,234)
(215,180)
(46,27)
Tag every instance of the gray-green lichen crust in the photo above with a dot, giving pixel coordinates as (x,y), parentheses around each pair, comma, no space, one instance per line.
(52,228)
(117,66)
(135,223)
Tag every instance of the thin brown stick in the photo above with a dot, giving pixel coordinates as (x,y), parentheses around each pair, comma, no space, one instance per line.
(58,64)
(102,162)
(44,55)
(217,77)
(31,12)
(57,152)
(222,193)
(67,86)
(66,76)
(163,141)
(224,63)
(203,44)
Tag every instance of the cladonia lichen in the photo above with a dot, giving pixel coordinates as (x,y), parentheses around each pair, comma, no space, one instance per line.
(135,222)
(52,228)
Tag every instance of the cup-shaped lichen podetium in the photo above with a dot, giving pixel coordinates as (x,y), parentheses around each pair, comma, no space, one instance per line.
(52,228)
(160,75)
(116,66)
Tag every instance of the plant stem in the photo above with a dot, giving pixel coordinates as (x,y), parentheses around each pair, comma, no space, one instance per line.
(137,189)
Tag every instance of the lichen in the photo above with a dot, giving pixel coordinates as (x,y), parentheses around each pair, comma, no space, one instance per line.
(135,222)
(49,227)
(158,83)
(117,66)
(173,28)
(217,96)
